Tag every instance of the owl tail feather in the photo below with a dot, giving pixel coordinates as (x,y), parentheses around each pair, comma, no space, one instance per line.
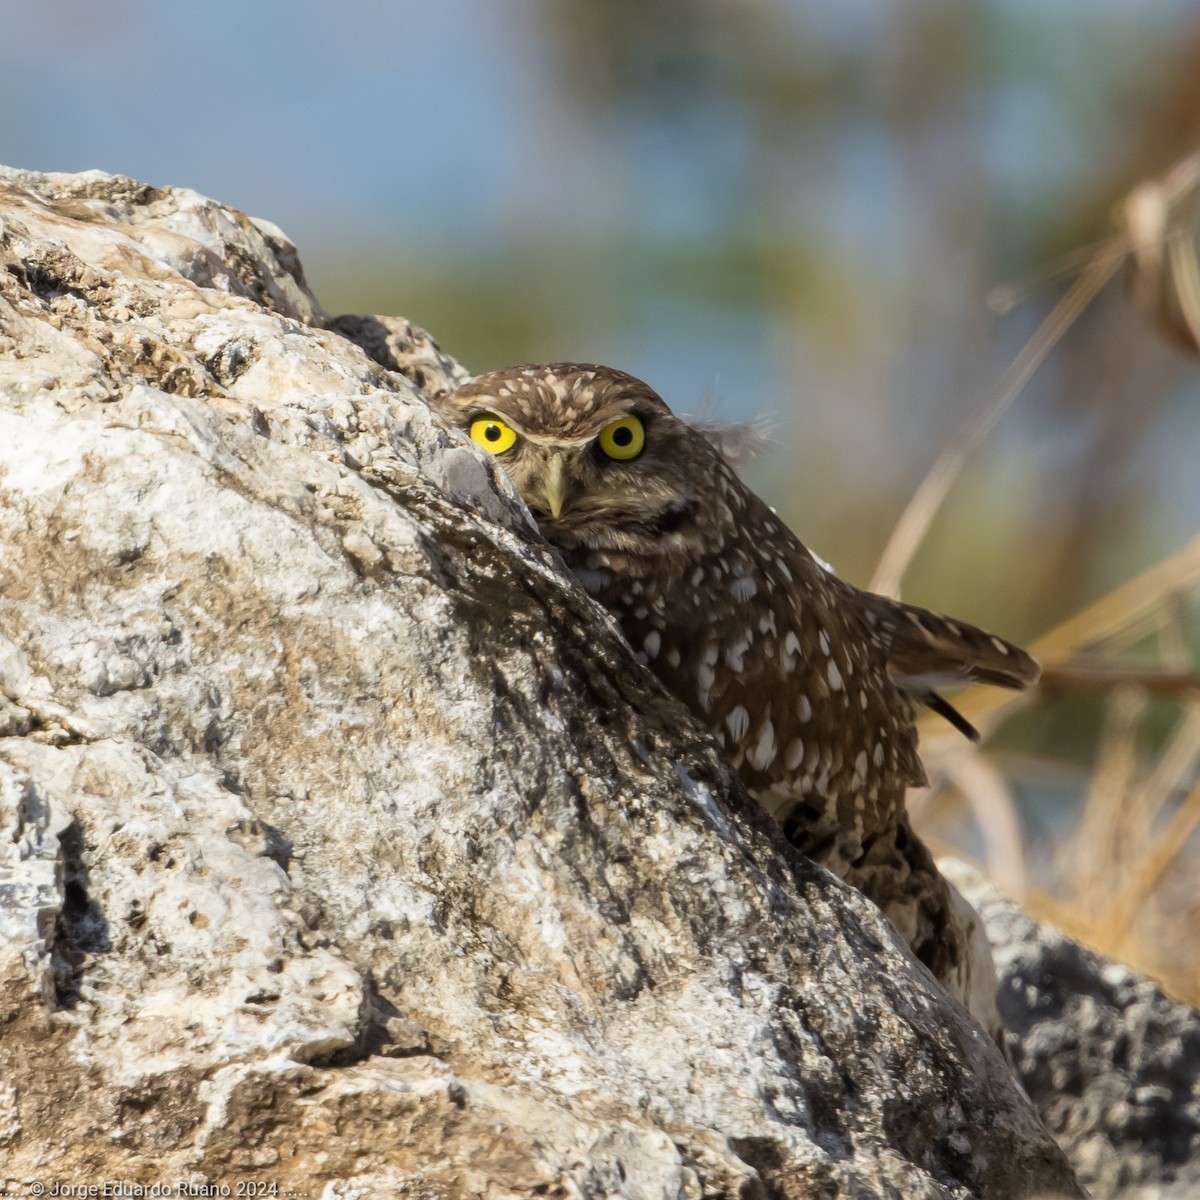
(943,708)
(927,651)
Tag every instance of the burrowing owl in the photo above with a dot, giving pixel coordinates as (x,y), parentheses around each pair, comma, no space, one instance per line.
(809,683)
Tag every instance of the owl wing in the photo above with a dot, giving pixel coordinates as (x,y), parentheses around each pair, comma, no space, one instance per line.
(926,651)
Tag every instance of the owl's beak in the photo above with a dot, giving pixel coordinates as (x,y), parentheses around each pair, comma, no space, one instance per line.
(555,485)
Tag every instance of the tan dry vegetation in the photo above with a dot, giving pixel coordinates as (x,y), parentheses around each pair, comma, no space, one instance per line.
(1124,879)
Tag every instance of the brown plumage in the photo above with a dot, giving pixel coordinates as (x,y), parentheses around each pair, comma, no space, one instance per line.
(808,682)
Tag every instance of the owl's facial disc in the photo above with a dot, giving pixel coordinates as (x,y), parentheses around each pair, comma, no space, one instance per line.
(579,495)
(595,453)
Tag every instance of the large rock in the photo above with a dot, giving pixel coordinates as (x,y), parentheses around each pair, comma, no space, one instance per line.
(1112,1063)
(344,845)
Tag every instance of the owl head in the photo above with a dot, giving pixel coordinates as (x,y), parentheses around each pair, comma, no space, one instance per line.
(597,456)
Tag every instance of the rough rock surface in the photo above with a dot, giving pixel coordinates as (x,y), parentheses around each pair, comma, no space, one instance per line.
(343,846)
(1112,1063)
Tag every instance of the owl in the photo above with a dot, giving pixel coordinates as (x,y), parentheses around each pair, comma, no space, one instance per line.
(809,683)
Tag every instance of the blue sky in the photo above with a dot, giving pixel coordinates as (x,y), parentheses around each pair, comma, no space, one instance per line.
(417,140)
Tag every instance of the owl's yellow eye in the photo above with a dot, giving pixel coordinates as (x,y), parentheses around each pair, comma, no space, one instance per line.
(623,439)
(493,435)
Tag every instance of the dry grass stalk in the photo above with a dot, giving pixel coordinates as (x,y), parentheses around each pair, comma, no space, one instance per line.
(1165,850)
(1173,645)
(1159,218)
(1135,824)
(1143,870)
(916,519)
(1129,613)
(1156,234)
(1097,851)
(1081,674)
(993,808)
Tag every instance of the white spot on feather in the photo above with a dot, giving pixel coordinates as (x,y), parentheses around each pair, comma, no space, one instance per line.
(794,755)
(762,754)
(743,589)
(737,652)
(860,768)
(835,676)
(804,709)
(652,643)
(738,722)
